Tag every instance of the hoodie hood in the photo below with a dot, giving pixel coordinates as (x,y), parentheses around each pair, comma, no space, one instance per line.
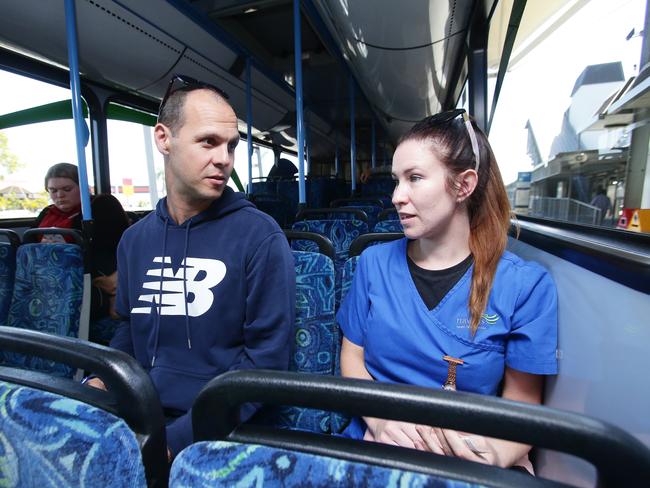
(230,201)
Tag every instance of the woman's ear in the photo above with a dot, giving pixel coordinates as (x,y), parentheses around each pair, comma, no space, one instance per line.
(466,184)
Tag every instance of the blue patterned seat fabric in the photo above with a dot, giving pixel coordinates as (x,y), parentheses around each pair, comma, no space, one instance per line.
(47,297)
(388,226)
(340,232)
(339,421)
(219,463)
(48,440)
(372,211)
(316,339)
(7,275)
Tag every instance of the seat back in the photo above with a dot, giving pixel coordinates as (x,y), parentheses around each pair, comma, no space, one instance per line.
(275,206)
(47,297)
(7,270)
(620,458)
(52,440)
(341,233)
(388,226)
(58,432)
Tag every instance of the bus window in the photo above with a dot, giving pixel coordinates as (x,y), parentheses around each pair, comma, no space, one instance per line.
(136,166)
(31,142)
(562,152)
(262,163)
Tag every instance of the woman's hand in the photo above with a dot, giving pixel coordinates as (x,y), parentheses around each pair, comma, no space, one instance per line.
(459,444)
(393,432)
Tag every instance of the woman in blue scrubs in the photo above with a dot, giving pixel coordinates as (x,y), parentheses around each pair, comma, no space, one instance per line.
(448,306)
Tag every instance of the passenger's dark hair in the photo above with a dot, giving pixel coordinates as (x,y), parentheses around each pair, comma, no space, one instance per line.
(110,221)
(62,170)
(172,114)
(488,206)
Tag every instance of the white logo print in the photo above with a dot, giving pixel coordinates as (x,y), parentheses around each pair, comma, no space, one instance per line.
(171,295)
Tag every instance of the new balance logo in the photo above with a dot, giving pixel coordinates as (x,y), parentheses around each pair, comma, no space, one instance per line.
(201,274)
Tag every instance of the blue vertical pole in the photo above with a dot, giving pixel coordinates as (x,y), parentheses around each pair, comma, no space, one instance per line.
(297,48)
(307,151)
(353,145)
(372,143)
(249,124)
(80,128)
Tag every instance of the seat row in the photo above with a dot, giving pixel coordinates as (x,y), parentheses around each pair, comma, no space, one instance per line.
(60,433)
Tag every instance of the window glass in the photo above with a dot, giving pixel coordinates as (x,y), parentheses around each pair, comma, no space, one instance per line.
(136,166)
(28,150)
(561,150)
(261,164)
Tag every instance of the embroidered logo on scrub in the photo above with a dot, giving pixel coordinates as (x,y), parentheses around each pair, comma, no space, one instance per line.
(486,320)
(201,276)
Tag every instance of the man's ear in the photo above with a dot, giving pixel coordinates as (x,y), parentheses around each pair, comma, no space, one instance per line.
(467,181)
(161,135)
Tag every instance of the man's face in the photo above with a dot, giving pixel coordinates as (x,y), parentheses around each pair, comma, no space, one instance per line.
(200,155)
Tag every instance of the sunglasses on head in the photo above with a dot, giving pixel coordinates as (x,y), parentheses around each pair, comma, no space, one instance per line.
(187,83)
(448,116)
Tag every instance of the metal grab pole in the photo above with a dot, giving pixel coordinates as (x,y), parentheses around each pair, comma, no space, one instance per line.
(80,128)
(249,125)
(353,145)
(297,44)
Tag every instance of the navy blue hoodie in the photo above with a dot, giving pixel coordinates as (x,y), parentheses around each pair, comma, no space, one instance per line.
(234,265)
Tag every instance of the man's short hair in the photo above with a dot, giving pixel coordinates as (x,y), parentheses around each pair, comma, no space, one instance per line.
(62,170)
(172,113)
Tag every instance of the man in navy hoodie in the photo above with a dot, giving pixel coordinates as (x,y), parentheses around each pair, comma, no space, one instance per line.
(207,281)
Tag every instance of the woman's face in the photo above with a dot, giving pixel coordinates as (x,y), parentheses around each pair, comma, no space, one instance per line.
(425,205)
(64,193)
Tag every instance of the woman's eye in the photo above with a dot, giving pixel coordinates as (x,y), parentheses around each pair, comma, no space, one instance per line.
(414,178)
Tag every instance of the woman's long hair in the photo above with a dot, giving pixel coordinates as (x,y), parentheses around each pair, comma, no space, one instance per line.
(488,206)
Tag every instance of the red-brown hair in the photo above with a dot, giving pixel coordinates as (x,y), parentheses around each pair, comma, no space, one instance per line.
(488,206)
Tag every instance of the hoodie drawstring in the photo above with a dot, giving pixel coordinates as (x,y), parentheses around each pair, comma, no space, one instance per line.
(159,309)
(185,297)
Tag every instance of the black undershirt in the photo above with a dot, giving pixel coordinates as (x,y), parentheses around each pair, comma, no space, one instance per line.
(433,285)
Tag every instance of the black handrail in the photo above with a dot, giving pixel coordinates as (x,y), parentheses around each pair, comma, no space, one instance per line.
(620,458)
(325,246)
(360,243)
(12,237)
(32,236)
(385,213)
(355,213)
(131,394)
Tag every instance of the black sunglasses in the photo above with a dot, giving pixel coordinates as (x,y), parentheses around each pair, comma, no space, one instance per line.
(448,116)
(187,83)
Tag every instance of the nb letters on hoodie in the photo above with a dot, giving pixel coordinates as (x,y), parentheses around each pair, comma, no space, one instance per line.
(195,276)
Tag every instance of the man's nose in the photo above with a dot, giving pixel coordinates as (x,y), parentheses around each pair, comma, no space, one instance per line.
(220,155)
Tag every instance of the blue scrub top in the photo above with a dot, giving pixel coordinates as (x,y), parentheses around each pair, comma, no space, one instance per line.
(404,342)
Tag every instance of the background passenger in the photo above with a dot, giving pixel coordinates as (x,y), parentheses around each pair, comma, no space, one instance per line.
(109,223)
(449,295)
(62,184)
(601,201)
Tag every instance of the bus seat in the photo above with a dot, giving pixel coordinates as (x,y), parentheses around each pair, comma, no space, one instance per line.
(47,297)
(389,214)
(58,432)
(372,211)
(619,458)
(195,466)
(275,206)
(315,339)
(52,440)
(388,226)
(341,233)
(7,270)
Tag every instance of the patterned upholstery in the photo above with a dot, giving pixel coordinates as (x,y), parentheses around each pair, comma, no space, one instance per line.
(339,421)
(47,440)
(372,211)
(388,226)
(219,463)
(7,274)
(47,297)
(340,232)
(316,338)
